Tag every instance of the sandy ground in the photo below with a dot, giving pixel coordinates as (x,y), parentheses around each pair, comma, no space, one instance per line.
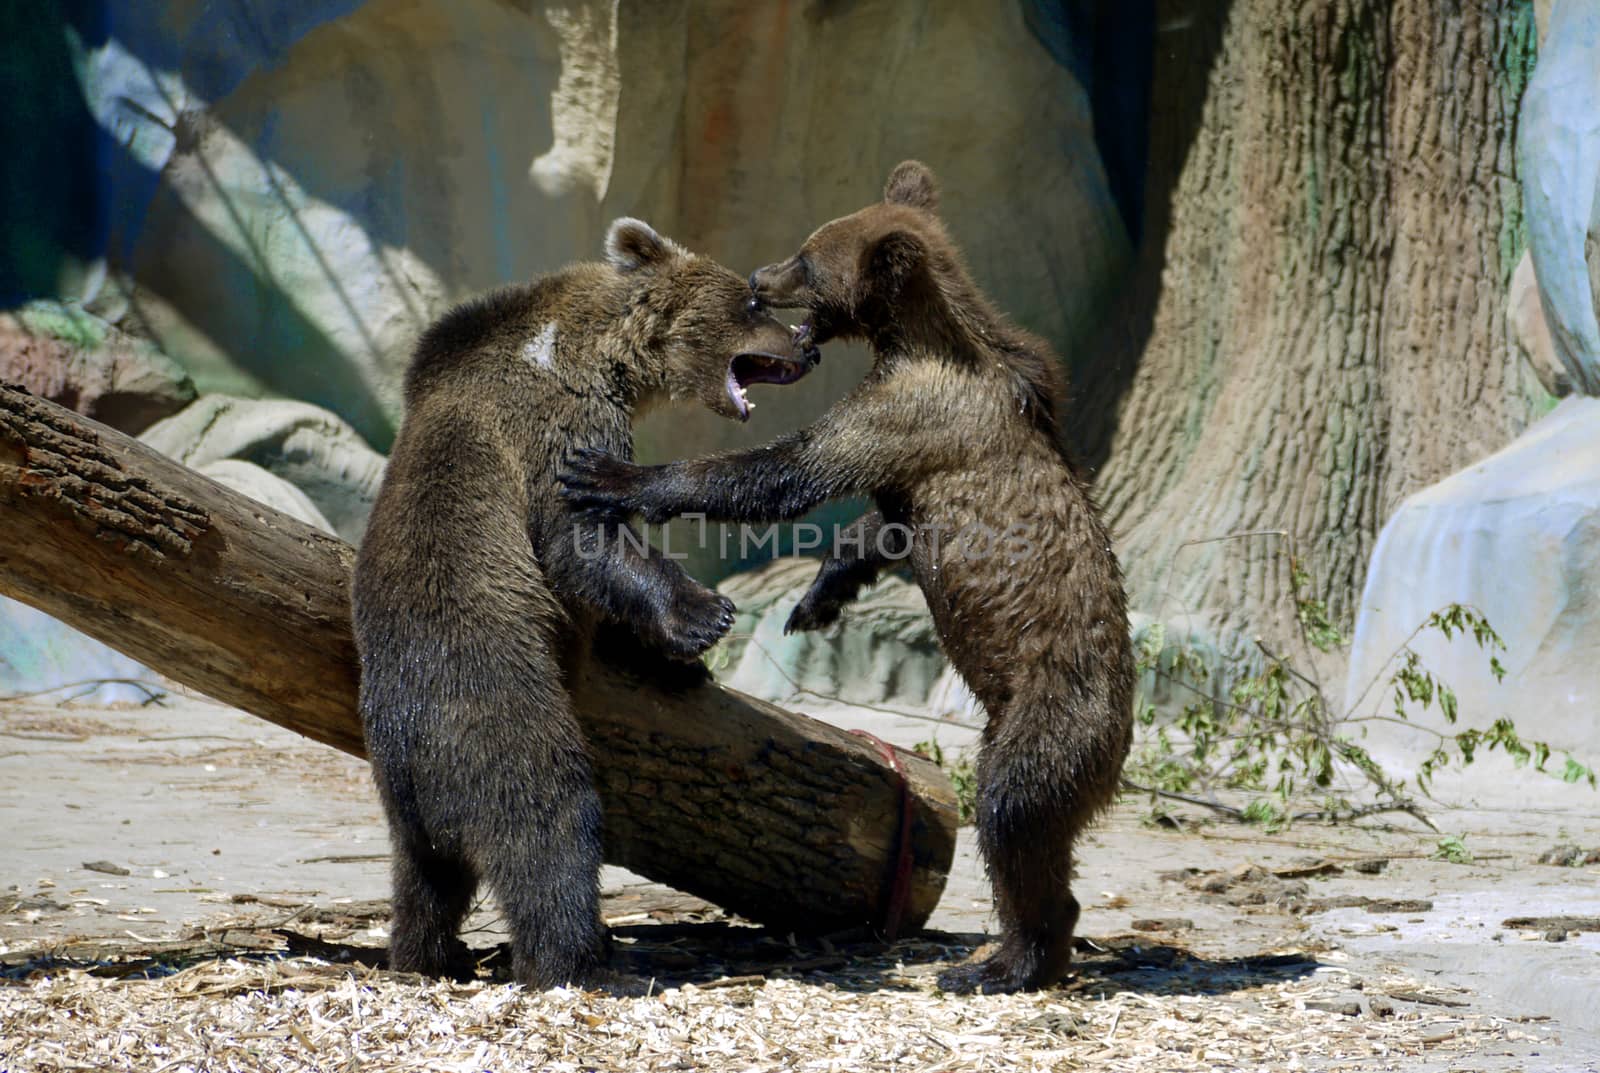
(1347,948)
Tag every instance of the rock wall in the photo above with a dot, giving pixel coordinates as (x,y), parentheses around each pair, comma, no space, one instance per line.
(296,189)
(883,650)
(38,654)
(79,361)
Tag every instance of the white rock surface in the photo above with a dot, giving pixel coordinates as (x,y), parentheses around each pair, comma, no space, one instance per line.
(327,465)
(1518,536)
(251,480)
(1558,148)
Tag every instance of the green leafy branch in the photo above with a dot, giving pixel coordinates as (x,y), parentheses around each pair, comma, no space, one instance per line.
(963,776)
(1276,737)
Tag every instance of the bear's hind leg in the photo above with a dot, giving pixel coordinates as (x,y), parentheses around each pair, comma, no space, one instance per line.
(1027,824)
(545,871)
(1029,871)
(431,897)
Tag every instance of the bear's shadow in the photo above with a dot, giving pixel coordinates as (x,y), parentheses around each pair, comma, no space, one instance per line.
(729,954)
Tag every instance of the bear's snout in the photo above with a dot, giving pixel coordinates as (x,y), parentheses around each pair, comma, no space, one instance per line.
(780,285)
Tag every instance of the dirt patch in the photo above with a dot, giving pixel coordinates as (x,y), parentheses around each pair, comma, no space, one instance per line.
(57,727)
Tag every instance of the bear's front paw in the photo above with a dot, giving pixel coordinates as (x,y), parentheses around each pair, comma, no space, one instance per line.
(696,621)
(596,483)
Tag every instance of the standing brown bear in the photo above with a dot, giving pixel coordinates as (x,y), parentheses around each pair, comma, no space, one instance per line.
(953,432)
(475,599)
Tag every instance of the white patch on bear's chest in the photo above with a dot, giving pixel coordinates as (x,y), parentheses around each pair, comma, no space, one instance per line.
(541,349)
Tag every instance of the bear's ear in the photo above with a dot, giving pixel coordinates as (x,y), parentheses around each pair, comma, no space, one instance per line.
(632,244)
(892,262)
(911,183)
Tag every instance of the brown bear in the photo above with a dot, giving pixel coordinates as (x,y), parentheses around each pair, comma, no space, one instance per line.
(954,433)
(477,592)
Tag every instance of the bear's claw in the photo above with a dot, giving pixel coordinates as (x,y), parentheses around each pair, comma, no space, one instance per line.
(694,624)
(995,975)
(813,612)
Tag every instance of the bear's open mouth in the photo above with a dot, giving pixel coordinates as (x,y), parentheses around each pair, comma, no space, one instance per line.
(759,367)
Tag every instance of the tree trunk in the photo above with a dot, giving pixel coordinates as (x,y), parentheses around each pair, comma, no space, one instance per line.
(781,818)
(1317,325)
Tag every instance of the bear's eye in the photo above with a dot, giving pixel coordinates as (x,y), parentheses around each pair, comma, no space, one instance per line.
(753,306)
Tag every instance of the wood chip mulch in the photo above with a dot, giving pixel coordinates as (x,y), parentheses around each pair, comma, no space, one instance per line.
(742,999)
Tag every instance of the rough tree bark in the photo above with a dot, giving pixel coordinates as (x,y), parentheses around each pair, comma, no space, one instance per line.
(1317,324)
(781,818)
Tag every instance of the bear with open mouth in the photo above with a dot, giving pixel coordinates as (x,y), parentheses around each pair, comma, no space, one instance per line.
(477,590)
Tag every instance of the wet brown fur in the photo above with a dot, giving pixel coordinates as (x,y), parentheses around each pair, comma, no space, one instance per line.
(956,423)
(473,607)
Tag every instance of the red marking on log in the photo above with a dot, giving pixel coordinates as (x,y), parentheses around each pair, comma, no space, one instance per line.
(900,882)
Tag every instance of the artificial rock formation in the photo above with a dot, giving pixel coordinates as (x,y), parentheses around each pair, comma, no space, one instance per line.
(1518,536)
(1558,149)
(302,445)
(78,360)
(306,185)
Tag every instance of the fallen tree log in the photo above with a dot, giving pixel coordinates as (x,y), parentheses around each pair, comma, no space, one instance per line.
(776,816)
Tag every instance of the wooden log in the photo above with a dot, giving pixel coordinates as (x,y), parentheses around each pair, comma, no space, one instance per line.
(778,817)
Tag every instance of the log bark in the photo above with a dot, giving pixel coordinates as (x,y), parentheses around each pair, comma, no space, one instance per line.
(778,817)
